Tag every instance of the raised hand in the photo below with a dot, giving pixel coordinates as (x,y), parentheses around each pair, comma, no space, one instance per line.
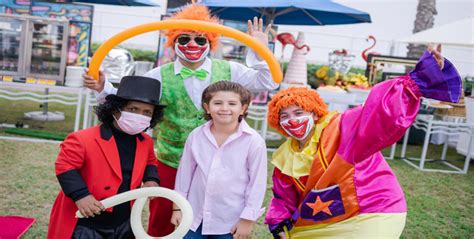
(255,29)
(437,55)
(93,84)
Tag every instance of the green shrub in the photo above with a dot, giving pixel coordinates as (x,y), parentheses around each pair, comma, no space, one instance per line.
(138,55)
(142,55)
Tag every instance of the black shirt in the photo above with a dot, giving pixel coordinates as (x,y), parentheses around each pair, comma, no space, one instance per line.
(126,145)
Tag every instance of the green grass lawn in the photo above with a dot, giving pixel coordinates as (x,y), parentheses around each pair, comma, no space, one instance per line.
(439,205)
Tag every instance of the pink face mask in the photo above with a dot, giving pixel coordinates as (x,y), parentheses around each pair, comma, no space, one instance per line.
(298,127)
(132,123)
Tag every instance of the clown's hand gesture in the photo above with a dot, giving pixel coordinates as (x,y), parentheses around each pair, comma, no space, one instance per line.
(255,29)
(437,55)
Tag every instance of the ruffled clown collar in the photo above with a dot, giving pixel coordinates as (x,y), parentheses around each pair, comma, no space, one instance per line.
(292,162)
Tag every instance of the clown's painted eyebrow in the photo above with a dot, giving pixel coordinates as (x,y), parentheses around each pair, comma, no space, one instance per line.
(298,111)
(284,115)
(295,111)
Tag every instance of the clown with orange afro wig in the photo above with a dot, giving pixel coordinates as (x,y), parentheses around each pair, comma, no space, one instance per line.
(330,179)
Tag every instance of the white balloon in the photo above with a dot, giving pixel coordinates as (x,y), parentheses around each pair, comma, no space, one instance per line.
(141,195)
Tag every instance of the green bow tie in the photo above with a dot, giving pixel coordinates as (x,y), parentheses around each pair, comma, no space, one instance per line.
(186,72)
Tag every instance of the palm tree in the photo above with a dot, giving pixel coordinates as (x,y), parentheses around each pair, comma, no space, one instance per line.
(177,3)
(424,20)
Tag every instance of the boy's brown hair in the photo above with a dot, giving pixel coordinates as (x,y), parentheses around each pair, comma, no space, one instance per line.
(208,93)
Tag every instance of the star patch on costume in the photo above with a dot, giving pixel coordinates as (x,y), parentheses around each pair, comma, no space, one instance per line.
(321,204)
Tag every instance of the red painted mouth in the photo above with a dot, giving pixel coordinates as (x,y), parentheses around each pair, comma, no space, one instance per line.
(296,129)
(193,53)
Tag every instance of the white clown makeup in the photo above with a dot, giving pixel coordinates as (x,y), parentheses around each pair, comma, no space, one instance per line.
(192,49)
(298,127)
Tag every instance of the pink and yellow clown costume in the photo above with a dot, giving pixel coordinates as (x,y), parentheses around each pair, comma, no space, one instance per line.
(339,185)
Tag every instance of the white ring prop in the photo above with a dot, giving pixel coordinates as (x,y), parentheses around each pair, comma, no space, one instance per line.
(141,195)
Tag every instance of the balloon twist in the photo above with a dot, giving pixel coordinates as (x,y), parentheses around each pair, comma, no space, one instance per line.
(141,196)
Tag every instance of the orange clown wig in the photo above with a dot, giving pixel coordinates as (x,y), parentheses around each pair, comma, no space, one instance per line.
(193,12)
(307,99)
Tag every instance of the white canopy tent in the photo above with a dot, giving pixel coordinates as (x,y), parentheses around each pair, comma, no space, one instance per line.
(457,33)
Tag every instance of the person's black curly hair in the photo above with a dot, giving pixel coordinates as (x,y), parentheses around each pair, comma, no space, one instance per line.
(105,111)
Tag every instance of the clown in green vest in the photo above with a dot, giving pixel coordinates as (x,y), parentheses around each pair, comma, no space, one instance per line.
(183,82)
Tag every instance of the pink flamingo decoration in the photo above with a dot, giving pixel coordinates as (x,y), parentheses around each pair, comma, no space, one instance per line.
(286,38)
(364,52)
(365,55)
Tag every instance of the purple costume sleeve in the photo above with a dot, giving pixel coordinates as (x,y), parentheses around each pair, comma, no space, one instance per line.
(392,107)
(284,202)
(444,85)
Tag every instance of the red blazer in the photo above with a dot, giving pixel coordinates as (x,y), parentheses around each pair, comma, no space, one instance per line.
(94,153)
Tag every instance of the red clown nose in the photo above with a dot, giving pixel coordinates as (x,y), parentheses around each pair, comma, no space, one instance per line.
(293,122)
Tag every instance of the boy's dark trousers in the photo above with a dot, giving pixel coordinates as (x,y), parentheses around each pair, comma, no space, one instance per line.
(122,231)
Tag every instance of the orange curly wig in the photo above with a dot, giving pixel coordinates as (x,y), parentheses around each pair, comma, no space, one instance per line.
(193,12)
(307,99)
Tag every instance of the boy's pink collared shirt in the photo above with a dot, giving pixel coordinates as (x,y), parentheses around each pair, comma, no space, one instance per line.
(226,183)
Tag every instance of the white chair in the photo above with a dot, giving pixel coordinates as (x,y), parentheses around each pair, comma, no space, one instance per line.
(90,118)
(431,126)
(393,148)
(462,145)
(258,113)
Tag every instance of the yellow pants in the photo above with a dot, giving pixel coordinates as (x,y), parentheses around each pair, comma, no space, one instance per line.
(373,225)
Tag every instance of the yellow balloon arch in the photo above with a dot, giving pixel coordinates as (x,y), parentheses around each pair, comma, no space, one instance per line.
(253,43)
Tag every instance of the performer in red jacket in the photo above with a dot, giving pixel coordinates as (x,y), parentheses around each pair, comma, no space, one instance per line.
(105,160)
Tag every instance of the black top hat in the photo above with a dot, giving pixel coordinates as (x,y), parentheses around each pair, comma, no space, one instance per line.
(138,88)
